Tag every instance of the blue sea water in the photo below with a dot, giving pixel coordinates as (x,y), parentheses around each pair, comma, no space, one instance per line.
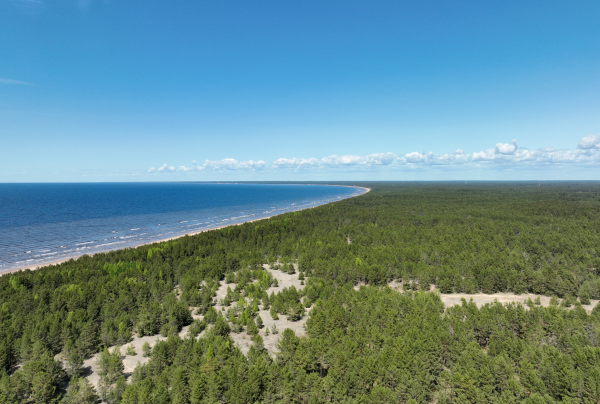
(42,223)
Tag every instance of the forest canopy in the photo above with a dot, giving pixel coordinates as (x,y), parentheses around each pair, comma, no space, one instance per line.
(367,345)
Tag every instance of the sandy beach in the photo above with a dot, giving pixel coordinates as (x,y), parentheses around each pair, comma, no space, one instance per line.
(37,266)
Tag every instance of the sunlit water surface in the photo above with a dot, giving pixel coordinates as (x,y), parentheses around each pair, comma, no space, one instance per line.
(42,223)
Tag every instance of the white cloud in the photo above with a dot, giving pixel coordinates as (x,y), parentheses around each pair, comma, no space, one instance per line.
(233,164)
(295,163)
(507,148)
(430,158)
(252,165)
(510,155)
(505,155)
(589,142)
(342,160)
(166,169)
(14,82)
(380,159)
(368,160)
(335,161)
(194,167)
(225,165)
(484,155)
(415,157)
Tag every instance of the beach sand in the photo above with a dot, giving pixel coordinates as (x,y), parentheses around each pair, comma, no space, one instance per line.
(37,266)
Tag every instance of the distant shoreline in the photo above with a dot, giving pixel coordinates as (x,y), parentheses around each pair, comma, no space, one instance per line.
(60,261)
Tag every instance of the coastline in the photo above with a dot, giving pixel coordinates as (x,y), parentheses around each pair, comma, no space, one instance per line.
(60,261)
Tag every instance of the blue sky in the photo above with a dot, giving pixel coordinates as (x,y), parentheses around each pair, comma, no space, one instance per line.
(299,90)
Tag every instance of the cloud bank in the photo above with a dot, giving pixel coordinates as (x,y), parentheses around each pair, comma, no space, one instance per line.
(227,164)
(503,155)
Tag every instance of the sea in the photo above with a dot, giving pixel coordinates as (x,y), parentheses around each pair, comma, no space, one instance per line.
(45,223)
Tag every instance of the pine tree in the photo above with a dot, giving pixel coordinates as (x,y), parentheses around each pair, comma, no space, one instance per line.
(221,327)
(88,340)
(180,391)
(80,391)
(252,328)
(258,343)
(198,388)
(110,372)
(74,360)
(585,298)
(146,349)
(131,350)
(42,388)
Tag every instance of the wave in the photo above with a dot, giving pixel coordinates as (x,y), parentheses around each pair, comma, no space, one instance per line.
(58,241)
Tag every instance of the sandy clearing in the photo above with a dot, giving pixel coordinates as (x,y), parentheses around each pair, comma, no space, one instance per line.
(243,340)
(480,299)
(90,366)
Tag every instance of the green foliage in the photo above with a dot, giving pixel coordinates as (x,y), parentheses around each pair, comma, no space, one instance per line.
(37,381)
(585,298)
(74,360)
(211,315)
(221,327)
(196,328)
(377,344)
(130,350)
(120,267)
(80,391)
(251,327)
(112,380)
(146,349)
(370,345)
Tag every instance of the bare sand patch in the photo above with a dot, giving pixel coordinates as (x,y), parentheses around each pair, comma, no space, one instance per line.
(243,340)
(91,368)
(481,299)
